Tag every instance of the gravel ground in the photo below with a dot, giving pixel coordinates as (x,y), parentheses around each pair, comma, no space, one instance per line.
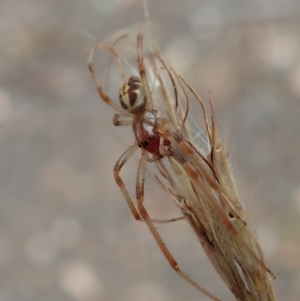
(65,231)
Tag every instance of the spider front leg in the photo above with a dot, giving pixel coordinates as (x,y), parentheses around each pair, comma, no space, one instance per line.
(143,212)
(100,91)
(142,71)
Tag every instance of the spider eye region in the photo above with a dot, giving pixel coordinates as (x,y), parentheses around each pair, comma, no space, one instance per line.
(132,95)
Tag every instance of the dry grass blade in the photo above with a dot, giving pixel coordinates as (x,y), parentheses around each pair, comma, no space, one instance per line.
(204,189)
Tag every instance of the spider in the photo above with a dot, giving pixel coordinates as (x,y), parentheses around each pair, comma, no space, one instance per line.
(136,109)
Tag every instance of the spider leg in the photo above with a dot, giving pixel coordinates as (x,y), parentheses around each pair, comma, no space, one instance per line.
(100,91)
(166,221)
(142,71)
(117,169)
(143,212)
(120,163)
(120,120)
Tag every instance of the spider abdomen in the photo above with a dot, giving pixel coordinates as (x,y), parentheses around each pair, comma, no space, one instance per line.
(132,95)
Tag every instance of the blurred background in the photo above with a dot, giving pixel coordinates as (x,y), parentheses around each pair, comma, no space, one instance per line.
(65,230)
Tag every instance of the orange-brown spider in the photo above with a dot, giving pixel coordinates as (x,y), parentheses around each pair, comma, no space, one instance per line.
(136,109)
